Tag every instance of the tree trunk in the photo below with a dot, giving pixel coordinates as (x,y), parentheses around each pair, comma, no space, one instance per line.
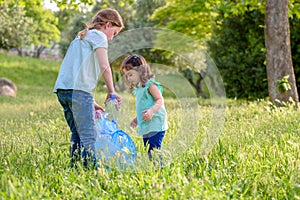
(279,59)
(20,51)
(38,51)
(189,75)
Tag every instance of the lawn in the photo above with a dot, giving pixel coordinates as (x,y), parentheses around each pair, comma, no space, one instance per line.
(254,156)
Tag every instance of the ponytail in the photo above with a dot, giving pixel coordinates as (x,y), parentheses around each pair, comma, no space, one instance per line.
(82,33)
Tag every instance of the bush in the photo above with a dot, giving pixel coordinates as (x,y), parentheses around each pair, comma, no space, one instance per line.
(237,47)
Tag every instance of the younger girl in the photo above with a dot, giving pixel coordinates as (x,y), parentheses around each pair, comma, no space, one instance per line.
(85,60)
(151,116)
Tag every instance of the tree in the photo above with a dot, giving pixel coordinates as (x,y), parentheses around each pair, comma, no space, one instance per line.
(231,25)
(144,9)
(15,27)
(73,4)
(46,31)
(281,78)
(25,23)
(193,19)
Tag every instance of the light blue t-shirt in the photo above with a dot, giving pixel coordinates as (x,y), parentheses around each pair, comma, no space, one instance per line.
(144,101)
(80,68)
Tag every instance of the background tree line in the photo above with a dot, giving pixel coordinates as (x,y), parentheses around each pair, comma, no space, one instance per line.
(231,30)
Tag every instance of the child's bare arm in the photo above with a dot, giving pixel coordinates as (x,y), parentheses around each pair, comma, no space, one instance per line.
(105,68)
(106,73)
(159,101)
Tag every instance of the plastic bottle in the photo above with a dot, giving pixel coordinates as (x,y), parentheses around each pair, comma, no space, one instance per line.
(112,108)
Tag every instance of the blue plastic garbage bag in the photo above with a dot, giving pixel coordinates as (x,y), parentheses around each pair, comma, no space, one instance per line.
(113,146)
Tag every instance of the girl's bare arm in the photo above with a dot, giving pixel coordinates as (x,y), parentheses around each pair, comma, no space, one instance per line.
(159,101)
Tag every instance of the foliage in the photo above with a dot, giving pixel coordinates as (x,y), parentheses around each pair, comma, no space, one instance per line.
(15,27)
(294,8)
(76,24)
(257,156)
(46,31)
(238,7)
(283,84)
(64,16)
(295,47)
(237,47)
(226,59)
(144,9)
(40,32)
(191,18)
(181,17)
(73,4)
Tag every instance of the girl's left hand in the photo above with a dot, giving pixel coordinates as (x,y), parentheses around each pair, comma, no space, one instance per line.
(118,97)
(148,114)
(133,123)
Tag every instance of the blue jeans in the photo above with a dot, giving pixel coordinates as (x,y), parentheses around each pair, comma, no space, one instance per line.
(79,113)
(154,140)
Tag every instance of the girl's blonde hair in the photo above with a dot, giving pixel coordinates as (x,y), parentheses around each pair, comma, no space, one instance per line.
(101,18)
(138,63)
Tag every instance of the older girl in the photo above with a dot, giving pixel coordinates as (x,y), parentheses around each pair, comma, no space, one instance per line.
(85,59)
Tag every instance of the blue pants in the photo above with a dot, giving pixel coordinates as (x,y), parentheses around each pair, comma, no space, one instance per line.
(154,140)
(79,113)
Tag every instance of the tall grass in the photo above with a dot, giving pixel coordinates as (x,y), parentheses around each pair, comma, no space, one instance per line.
(256,156)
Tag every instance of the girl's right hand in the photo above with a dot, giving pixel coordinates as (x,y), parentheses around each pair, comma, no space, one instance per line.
(133,123)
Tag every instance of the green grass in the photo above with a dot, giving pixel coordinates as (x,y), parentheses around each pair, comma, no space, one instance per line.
(256,157)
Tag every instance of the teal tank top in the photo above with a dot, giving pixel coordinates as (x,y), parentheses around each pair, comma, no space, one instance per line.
(144,101)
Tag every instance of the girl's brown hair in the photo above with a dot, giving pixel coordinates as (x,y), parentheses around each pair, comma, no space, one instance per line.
(138,63)
(101,18)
